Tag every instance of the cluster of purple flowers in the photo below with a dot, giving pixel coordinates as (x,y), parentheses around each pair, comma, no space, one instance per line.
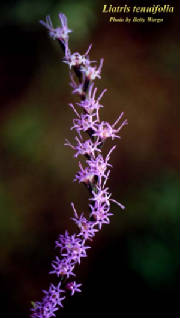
(91,135)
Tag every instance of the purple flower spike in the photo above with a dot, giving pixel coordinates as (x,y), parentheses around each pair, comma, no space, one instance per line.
(94,172)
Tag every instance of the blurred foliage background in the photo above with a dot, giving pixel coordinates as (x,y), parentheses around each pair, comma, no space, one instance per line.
(133,268)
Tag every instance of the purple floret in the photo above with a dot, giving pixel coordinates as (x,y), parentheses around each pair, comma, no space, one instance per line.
(73,287)
(62,267)
(86,228)
(50,302)
(71,247)
(59,33)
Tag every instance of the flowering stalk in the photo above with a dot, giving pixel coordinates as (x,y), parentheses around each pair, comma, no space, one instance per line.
(91,136)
